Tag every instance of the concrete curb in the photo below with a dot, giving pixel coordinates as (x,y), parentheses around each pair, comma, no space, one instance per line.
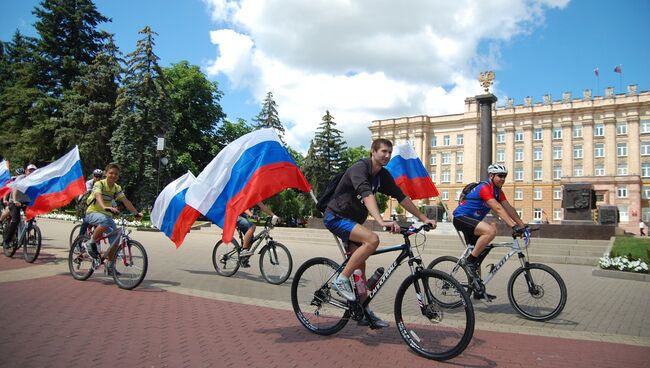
(623,275)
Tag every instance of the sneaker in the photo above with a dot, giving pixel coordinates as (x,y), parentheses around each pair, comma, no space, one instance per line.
(246,253)
(244,263)
(91,248)
(109,270)
(376,321)
(484,295)
(473,269)
(343,287)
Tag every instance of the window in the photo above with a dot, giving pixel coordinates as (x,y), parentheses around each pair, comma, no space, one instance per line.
(645,192)
(621,128)
(557,193)
(445,195)
(519,174)
(457,196)
(433,177)
(433,159)
(537,194)
(519,136)
(537,134)
(645,126)
(621,169)
(445,177)
(577,151)
(460,139)
(599,150)
(459,176)
(519,154)
(446,140)
(446,158)
(537,173)
(645,170)
(433,141)
(577,131)
(621,191)
(519,194)
(501,137)
(557,133)
(501,155)
(557,214)
(537,153)
(645,214)
(537,214)
(599,130)
(557,152)
(459,157)
(599,170)
(645,148)
(557,172)
(577,171)
(622,213)
(520,213)
(621,149)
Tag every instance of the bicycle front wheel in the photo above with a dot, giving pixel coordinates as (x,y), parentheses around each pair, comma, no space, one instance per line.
(225,257)
(428,318)
(74,233)
(314,303)
(129,266)
(453,268)
(275,263)
(537,292)
(32,244)
(80,263)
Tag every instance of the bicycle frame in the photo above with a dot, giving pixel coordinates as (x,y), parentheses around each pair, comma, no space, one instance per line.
(515,248)
(23,227)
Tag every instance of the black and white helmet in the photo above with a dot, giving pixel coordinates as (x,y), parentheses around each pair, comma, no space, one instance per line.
(98,173)
(497,169)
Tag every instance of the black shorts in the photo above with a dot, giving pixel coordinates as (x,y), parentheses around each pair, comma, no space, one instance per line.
(467,225)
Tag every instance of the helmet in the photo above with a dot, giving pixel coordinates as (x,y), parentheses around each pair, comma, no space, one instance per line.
(497,169)
(98,173)
(19,171)
(31,167)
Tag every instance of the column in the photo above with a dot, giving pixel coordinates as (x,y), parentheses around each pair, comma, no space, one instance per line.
(610,147)
(633,146)
(588,147)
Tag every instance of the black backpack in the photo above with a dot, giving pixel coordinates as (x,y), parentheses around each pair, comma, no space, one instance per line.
(327,194)
(82,204)
(467,190)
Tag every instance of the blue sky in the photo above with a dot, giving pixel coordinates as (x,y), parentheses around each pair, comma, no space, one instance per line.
(369,59)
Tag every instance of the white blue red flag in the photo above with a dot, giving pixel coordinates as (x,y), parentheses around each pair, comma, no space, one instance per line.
(54,185)
(409,173)
(170,209)
(5,177)
(247,171)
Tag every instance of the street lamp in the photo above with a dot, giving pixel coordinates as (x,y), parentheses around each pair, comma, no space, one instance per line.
(160,146)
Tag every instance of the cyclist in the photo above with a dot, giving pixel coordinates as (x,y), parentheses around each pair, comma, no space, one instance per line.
(248,229)
(100,209)
(468,217)
(348,209)
(97,176)
(17,200)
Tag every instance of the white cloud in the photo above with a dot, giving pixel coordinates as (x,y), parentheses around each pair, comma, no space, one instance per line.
(365,59)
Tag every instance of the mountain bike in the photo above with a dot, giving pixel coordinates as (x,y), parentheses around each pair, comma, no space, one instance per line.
(535,290)
(127,264)
(275,260)
(28,236)
(433,322)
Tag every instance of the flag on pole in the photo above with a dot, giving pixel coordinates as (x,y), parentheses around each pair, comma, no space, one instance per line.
(617,69)
(247,171)
(170,211)
(5,177)
(410,174)
(54,185)
(596,72)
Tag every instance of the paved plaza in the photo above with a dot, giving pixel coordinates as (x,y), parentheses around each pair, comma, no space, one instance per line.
(185,315)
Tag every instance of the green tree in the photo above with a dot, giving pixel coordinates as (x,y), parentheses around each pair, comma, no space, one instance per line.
(142,113)
(268,117)
(324,159)
(353,154)
(228,132)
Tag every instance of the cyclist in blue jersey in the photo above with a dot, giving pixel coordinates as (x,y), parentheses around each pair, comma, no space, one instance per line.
(468,216)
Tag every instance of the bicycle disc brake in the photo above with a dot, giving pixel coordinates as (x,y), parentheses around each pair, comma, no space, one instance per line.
(433,312)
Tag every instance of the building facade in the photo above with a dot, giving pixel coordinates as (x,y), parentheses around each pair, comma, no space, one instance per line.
(603,140)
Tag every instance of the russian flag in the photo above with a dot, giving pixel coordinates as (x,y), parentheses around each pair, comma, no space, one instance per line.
(247,171)
(5,177)
(409,173)
(170,212)
(54,185)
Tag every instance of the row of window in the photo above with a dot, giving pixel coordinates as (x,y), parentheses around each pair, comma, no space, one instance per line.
(445,158)
(621,192)
(446,140)
(599,131)
(599,152)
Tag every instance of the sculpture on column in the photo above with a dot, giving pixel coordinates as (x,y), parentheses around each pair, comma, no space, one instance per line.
(486,79)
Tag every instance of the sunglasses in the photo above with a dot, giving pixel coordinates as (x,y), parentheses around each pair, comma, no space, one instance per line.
(502,176)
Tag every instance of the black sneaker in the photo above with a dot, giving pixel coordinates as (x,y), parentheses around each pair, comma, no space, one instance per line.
(484,295)
(109,270)
(376,321)
(244,263)
(473,269)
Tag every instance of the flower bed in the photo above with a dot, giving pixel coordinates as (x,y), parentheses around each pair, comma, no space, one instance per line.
(67,217)
(622,264)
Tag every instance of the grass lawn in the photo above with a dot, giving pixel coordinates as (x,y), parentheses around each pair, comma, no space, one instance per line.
(638,247)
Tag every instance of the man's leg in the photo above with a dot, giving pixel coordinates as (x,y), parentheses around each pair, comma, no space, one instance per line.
(486,233)
(13,224)
(369,241)
(248,236)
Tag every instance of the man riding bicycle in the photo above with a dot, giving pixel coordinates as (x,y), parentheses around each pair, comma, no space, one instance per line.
(17,200)
(468,217)
(348,209)
(97,176)
(248,229)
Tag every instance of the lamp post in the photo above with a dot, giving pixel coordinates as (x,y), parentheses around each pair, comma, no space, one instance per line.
(160,146)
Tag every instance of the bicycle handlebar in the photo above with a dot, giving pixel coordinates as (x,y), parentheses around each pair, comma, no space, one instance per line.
(410,230)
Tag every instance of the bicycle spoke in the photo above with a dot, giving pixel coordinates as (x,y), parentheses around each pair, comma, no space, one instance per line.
(275,263)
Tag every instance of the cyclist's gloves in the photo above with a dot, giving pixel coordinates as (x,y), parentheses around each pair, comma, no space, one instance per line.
(526,231)
(274,220)
(517,231)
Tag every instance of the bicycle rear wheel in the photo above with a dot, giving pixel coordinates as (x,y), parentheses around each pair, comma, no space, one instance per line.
(74,233)
(129,267)
(80,263)
(32,244)
(436,330)
(450,266)
(314,302)
(537,292)
(225,257)
(275,263)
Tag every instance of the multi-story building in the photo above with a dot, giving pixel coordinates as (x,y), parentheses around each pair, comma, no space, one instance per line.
(604,141)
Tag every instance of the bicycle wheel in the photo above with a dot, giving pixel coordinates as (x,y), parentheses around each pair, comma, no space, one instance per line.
(275,263)
(537,292)
(32,244)
(80,263)
(225,258)
(317,307)
(129,266)
(74,233)
(450,266)
(435,330)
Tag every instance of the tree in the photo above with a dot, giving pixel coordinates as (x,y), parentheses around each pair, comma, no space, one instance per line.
(268,117)
(324,159)
(228,132)
(142,113)
(352,155)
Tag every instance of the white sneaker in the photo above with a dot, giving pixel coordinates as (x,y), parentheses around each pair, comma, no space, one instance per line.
(246,253)
(344,288)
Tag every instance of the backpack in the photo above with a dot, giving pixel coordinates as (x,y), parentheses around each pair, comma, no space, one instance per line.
(328,193)
(82,204)
(467,190)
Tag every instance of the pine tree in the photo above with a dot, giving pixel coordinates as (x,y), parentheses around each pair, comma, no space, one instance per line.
(142,113)
(324,158)
(268,117)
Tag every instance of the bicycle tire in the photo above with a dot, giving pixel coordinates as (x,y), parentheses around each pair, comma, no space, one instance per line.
(32,244)
(74,233)
(444,331)
(80,263)
(309,298)
(450,266)
(225,258)
(275,263)
(129,266)
(531,304)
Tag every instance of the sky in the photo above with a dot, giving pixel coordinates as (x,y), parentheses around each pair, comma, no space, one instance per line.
(365,60)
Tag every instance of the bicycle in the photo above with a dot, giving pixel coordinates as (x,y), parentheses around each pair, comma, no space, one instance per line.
(28,235)
(275,260)
(535,290)
(434,324)
(127,265)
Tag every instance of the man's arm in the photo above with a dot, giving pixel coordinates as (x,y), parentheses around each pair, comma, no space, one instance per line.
(265,209)
(512,213)
(501,212)
(408,204)
(130,207)
(371,204)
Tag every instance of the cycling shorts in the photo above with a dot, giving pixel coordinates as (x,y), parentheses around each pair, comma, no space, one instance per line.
(339,226)
(467,225)
(243,224)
